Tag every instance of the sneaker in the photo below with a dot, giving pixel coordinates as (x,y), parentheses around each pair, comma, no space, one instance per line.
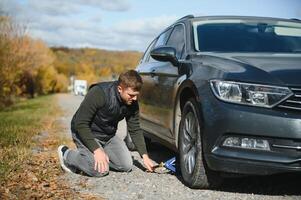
(61,151)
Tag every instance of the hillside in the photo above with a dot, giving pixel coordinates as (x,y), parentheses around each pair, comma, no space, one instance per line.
(93,64)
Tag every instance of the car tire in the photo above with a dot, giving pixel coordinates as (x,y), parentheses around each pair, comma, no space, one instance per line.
(194,170)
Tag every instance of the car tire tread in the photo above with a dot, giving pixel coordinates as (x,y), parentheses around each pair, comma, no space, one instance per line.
(202,177)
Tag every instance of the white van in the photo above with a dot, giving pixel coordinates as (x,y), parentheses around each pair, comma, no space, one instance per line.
(80,87)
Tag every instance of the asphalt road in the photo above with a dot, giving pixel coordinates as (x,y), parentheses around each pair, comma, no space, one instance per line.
(139,184)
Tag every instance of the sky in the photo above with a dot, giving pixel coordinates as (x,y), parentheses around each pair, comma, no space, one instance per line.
(126,24)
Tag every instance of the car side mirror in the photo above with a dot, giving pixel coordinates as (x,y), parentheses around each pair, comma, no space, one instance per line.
(165,54)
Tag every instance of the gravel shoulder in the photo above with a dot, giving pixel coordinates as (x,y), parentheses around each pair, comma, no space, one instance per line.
(141,185)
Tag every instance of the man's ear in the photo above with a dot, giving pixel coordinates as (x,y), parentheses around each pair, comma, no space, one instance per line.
(119,88)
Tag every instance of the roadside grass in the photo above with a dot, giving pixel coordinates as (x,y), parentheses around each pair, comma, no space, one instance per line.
(18,124)
(30,133)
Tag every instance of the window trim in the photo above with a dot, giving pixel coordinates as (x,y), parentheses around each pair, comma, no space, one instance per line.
(155,44)
(185,41)
(166,30)
(146,54)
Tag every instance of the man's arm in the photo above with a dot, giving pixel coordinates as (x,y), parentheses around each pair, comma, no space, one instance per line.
(93,101)
(136,134)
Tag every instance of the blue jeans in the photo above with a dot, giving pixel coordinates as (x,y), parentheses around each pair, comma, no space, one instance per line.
(83,159)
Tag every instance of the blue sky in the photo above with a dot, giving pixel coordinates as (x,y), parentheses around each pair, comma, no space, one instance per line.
(126,24)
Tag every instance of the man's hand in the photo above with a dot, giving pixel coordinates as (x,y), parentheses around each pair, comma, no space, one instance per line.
(148,163)
(101,161)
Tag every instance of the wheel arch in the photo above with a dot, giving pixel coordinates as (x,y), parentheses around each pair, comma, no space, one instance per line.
(186,91)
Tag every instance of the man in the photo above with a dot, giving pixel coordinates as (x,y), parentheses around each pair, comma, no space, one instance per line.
(94,128)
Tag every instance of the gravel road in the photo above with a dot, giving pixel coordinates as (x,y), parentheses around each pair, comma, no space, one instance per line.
(141,185)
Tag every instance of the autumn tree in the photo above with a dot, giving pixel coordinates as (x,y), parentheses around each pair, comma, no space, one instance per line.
(11,39)
(26,65)
(94,64)
(86,72)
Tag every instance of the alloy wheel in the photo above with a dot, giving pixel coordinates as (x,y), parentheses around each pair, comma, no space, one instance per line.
(190,130)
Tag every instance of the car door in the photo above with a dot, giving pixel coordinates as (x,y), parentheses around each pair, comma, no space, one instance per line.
(158,95)
(148,100)
(166,76)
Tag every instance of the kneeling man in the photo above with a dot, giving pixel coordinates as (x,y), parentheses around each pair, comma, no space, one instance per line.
(94,128)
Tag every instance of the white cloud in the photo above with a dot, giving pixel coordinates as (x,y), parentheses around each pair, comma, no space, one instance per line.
(73,24)
(111,5)
(54,7)
(139,33)
(146,27)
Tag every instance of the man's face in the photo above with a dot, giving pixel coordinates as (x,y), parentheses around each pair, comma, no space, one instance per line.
(127,94)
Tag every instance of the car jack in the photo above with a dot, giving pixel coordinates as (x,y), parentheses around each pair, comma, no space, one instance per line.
(167,166)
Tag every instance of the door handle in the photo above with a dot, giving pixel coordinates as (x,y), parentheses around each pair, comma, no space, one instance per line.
(153,73)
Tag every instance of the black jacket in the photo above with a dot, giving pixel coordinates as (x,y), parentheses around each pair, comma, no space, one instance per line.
(99,114)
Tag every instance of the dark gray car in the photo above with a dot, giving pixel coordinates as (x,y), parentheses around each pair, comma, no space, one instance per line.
(225,92)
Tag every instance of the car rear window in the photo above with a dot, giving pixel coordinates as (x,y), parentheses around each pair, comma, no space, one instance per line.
(240,36)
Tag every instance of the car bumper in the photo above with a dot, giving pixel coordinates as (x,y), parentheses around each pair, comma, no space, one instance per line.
(279,127)
(249,167)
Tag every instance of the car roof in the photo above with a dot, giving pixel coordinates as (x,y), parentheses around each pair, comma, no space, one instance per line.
(225,17)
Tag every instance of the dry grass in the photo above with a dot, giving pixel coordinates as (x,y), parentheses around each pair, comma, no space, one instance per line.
(29,136)
(18,125)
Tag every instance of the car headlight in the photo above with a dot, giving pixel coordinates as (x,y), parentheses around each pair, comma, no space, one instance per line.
(249,94)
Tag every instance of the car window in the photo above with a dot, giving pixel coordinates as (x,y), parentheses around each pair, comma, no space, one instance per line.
(244,36)
(177,40)
(162,38)
(146,55)
(161,41)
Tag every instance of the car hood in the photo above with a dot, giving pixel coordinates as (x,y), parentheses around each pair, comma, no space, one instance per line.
(284,69)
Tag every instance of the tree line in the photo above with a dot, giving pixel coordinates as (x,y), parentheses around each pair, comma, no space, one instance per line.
(28,67)
(93,64)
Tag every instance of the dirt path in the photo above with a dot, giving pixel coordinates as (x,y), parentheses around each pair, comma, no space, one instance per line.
(141,185)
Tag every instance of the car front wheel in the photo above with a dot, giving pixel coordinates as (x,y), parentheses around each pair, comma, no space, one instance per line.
(193,166)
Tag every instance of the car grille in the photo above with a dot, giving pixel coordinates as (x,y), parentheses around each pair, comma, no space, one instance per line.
(294,102)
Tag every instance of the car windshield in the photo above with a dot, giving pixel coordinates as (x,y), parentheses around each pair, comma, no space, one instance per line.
(247,36)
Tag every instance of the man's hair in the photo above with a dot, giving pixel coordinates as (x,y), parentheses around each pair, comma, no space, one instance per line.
(131,79)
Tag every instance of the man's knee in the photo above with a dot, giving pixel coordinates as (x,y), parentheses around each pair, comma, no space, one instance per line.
(125,166)
(86,164)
